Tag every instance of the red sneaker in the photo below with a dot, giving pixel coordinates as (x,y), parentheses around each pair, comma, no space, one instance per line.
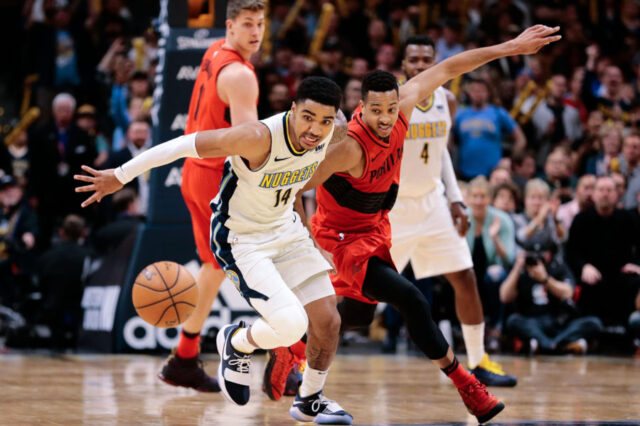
(280,362)
(295,378)
(479,401)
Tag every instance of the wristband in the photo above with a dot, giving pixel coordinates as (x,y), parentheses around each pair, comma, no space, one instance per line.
(121,175)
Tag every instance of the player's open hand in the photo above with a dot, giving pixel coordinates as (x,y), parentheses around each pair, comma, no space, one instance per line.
(327,256)
(101,183)
(534,38)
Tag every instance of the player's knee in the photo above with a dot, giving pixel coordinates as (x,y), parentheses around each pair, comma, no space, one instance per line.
(415,302)
(463,281)
(298,328)
(333,323)
(290,324)
(326,324)
(408,292)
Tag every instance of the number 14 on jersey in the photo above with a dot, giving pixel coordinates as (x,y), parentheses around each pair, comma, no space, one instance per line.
(282,197)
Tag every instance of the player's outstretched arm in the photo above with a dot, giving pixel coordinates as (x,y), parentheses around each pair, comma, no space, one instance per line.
(251,141)
(422,85)
(345,156)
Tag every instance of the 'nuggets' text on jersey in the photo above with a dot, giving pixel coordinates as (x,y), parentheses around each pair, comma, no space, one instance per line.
(434,129)
(289,177)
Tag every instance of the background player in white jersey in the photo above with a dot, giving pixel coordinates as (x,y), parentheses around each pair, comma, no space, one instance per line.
(259,240)
(423,232)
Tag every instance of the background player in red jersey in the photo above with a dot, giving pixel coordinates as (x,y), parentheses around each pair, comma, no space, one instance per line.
(225,94)
(359,185)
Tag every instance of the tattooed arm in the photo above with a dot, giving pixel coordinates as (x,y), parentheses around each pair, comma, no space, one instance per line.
(340,130)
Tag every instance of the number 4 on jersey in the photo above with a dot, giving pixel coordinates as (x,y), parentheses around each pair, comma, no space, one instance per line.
(282,197)
(425,153)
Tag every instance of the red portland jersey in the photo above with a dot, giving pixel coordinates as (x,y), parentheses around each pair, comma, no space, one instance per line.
(353,204)
(206,110)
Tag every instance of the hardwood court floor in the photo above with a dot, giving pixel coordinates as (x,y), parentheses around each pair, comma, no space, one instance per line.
(123,389)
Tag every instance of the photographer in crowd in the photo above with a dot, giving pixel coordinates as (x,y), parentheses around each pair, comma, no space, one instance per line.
(545,316)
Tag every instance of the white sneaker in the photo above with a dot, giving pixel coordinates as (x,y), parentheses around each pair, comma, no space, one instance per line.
(317,408)
(234,371)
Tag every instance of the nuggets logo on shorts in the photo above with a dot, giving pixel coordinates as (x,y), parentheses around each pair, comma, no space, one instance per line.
(234,278)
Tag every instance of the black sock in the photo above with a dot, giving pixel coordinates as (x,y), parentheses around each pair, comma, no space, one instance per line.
(190,335)
(451,367)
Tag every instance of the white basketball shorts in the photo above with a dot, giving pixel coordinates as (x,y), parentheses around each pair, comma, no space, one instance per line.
(423,233)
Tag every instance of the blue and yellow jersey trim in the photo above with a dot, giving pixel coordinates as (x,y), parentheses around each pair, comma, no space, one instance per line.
(428,106)
(292,148)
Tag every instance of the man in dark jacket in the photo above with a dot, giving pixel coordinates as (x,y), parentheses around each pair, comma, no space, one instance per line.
(125,205)
(60,271)
(58,150)
(603,252)
(138,140)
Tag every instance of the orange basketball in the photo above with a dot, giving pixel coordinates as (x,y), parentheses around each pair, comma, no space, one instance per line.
(164,294)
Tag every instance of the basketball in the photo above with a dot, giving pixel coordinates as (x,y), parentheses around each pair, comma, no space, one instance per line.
(164,294)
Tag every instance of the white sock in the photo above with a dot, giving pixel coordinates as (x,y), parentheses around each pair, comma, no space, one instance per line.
(312,381)
(240,341)
(474,342)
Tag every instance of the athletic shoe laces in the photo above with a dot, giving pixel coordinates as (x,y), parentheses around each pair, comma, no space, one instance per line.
(473,387)
(241,364)
(323,403)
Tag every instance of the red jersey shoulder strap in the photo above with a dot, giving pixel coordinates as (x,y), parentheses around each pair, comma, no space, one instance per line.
(354,131)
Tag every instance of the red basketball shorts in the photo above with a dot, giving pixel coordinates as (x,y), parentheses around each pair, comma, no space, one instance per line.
(351,253)
(200,184)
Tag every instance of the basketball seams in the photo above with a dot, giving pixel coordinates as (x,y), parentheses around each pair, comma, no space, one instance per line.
(169,297)
(166,286)
(175,281)
(149,288)
(174,303)
(169,307)
(169,291)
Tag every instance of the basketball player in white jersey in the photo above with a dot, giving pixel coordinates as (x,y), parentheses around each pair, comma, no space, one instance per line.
(423,232)
(260,242)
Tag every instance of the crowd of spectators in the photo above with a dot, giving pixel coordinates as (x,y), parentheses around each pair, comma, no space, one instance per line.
(547,147)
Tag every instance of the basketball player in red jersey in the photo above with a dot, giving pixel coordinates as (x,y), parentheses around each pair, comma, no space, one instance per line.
(225,93)
(359,183)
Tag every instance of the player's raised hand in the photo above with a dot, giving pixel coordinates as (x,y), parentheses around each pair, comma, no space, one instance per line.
(533,39)
(101,182)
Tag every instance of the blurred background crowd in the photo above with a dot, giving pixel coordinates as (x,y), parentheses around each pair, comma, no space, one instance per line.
(547,150)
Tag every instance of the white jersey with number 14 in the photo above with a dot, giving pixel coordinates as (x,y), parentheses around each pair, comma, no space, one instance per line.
(262,199)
